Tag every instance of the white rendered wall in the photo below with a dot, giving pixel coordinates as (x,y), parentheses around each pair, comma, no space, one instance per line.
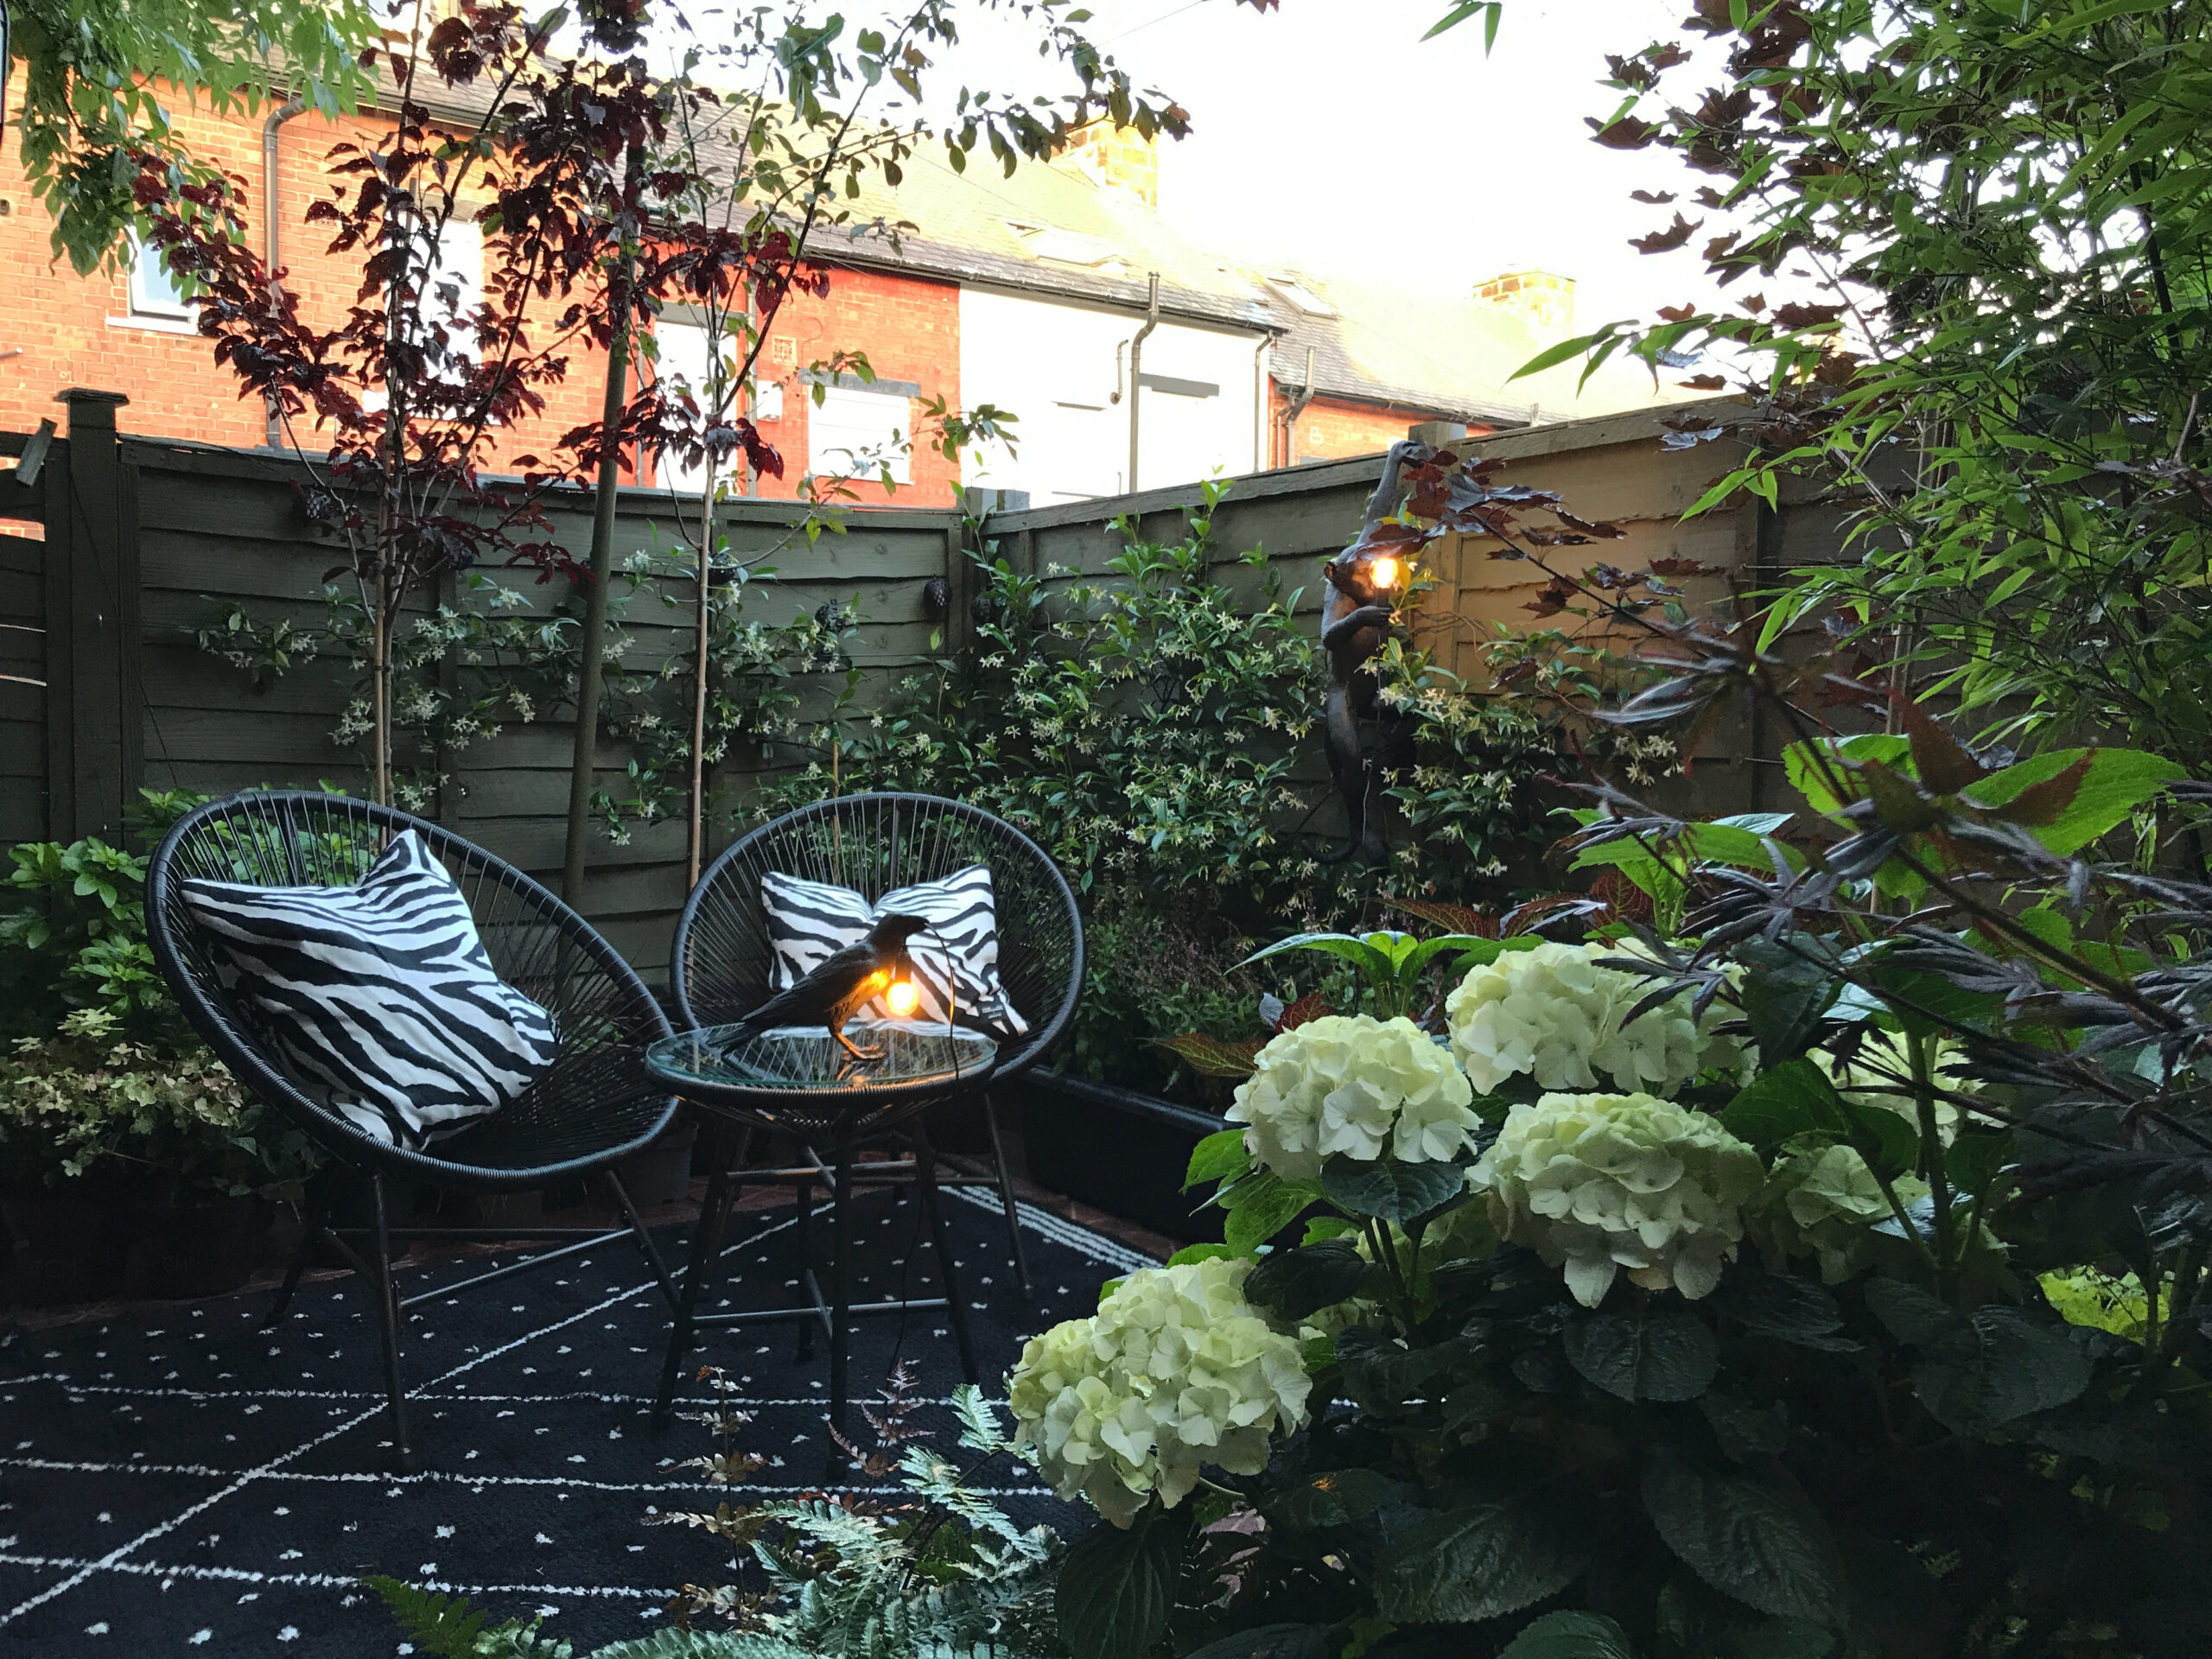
(1054,366)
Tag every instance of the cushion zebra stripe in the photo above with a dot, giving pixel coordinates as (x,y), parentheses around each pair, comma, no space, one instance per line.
(809,921)
(377,999)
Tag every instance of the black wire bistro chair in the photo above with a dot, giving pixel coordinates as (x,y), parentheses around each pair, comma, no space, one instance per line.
(592,1108)
(720,964)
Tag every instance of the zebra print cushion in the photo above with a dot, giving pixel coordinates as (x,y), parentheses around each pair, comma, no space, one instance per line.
(378,999)
(809,921)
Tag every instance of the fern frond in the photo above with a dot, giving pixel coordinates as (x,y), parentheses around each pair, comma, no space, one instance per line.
(702,1644)
(979,1420)
(452,1627)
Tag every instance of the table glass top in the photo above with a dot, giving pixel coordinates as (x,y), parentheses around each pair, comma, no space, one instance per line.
(804,1057)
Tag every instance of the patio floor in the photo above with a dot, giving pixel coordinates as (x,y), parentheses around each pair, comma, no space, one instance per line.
(175,1481)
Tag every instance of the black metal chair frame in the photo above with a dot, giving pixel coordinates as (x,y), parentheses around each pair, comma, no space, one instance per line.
(592,1109)
(718,972)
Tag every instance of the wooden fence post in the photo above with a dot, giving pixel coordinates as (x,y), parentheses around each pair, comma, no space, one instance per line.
(95,743)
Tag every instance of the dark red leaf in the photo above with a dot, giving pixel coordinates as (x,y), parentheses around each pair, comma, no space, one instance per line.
(1668,240)
(1944,765)
(2043,803)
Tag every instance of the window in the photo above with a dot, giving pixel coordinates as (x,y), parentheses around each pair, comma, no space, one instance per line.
(680,360)
(453,286)
(1301,296)
(449,291)
(857,432)
(153,291)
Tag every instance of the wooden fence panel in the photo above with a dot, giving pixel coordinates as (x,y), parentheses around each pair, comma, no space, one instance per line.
(208,530)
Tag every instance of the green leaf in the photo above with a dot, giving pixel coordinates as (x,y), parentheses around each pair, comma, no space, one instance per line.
(1657,1349)
(1294,1284)
(1571,1636)
(1268,1642)
(1805,773)
(1210,1057)
(1791,1099)
(1976,1158)
(2116,782)
(1117,1586)
(1191,1253)
(1389,1190)
(1340,1498)
(1784,1307)
(1351,947)
(1763,1544)
(1266,1204)
(1784,995)
(2008,1366)
(1219,1157)
(1481,1562)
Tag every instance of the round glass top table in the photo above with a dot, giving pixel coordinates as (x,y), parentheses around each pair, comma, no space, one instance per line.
(802,1083)
(801,1080)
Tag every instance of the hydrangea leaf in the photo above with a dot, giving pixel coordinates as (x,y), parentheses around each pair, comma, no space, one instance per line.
(1267,1205)
(1763,1544)
(1389,1190)
(1791,1099)
(1656,1350)
(1571,1636)
(1219,1157)
(1294,1284)
(1481,1562)
(1270,1642)
(1117,1586)
(1784,1307)
(1339,1498)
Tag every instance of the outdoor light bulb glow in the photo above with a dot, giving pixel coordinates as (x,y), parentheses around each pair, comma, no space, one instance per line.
(902,999)
(1384,571)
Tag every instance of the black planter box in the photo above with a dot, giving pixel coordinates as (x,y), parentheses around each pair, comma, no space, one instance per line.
(1120,1150)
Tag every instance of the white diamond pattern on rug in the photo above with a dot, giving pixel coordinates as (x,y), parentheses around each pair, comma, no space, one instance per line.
(181,1480)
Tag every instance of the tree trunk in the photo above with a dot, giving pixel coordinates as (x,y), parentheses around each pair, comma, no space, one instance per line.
(591,669)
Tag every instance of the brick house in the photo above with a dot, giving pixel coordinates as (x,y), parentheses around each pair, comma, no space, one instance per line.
(1132,357)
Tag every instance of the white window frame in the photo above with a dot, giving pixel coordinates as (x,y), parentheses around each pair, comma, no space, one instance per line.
(851,420)
(153,291)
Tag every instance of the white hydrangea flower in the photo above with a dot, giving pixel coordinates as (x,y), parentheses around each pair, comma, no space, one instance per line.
(1368,1089)
(1876,1078)
(1824,1200)
(1175,1370)
(1596,1183)
(1554,1014)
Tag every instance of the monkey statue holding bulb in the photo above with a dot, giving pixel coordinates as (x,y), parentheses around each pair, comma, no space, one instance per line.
(1367,743)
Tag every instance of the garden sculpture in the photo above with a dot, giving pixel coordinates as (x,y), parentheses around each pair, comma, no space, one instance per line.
(835,990)
(1367,742)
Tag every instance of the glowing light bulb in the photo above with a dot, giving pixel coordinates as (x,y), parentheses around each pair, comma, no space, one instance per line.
(902,999)
(1384,571)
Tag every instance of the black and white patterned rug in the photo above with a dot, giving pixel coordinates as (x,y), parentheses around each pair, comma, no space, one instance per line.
(181,1483)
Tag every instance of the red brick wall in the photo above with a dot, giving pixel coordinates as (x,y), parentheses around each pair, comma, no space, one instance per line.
(908,329)
(1332,429)
(62,329)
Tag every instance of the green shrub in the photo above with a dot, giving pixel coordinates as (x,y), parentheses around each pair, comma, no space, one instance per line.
(1157,731)
(1867,1318)
(98,1071)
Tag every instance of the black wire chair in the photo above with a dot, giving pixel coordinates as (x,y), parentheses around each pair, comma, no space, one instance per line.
(592,1108)
(722,960)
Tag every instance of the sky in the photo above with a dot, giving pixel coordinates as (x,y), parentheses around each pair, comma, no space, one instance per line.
(1327,134)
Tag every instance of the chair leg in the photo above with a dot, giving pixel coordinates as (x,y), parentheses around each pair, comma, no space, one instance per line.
(933,1207)
(311,1220)
(841,1285)
(1006,1196)
(803,1237)
(646,1245)
(700,1273)
(387,1295)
